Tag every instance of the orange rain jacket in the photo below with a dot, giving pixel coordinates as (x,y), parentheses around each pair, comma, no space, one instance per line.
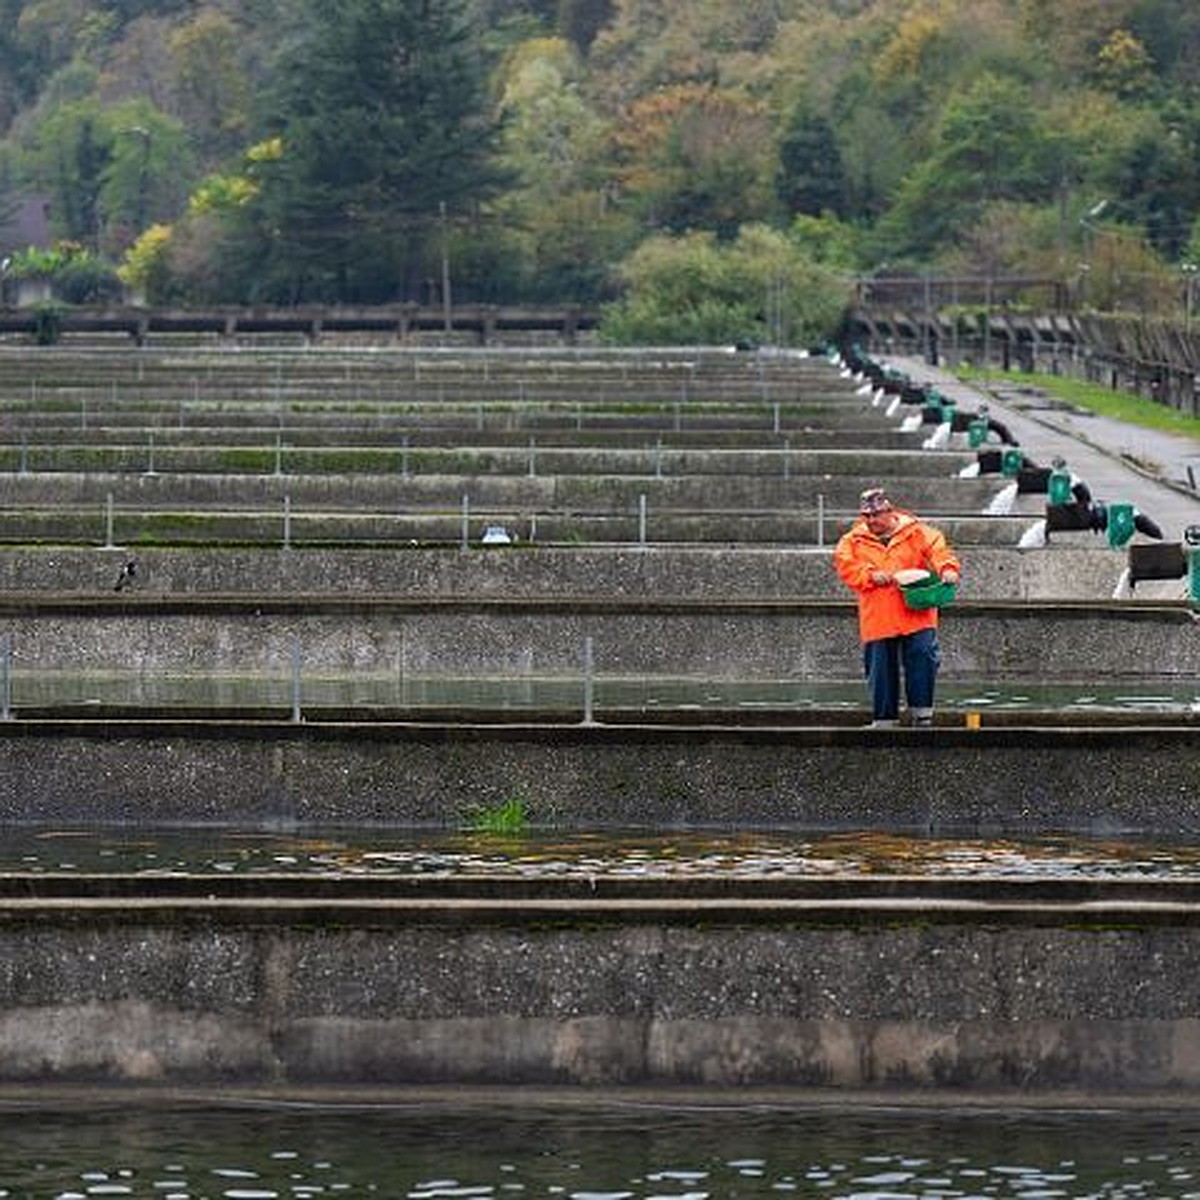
(882,612)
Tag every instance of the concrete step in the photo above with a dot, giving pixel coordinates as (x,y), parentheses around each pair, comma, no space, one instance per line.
(934,492)
(294,775)
(779,460)
(546,639)
(529,571)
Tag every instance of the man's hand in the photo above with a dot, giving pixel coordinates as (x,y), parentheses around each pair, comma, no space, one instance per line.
(949,575)
(880,578)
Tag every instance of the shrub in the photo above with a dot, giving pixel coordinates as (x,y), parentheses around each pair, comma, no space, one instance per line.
(691,290)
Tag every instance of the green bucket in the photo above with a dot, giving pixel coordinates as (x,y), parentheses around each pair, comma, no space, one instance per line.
(928,593)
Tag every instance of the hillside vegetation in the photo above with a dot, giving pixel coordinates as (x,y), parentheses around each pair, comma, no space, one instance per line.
(716,167)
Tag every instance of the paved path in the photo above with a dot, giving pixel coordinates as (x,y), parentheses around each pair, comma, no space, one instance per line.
(1120,462)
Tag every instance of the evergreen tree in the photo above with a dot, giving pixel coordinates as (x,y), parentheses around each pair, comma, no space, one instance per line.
(580,20)
(70,157)
(380,109)
(810,178)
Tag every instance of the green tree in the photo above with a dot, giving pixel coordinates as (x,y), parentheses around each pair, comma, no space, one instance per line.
(696,290)
(145,172)
(48,33)
(15,84)
(697,157)
(211,253)
(1123,65)
(990,146)
(212,87)
(579,21)
(810,178)
(109,172)
(557,214)
(1152,180)
(9,199)
(381,113)
(67,160)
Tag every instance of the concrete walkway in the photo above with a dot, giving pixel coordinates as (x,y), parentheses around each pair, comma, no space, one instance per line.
(1119,462)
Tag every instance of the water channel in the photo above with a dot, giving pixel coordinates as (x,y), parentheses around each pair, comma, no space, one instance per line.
(360,852)
(623,1150)
(649,694)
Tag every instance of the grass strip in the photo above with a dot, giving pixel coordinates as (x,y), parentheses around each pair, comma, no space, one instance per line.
(1095,397)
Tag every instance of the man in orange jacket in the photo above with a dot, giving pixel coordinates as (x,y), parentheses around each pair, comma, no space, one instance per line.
(883,541)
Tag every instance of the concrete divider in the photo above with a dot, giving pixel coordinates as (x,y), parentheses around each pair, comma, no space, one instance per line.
(1100,779)
(672,637)
(933,489)
(994,570)
(488,462)
(1019,997)
(806,429)
(644,523)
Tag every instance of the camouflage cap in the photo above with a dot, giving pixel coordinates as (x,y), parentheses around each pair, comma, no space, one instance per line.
(873,500)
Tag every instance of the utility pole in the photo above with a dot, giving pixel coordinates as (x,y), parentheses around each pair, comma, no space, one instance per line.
(446,322)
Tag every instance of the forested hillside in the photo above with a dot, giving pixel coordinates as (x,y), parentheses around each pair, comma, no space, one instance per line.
(700,157)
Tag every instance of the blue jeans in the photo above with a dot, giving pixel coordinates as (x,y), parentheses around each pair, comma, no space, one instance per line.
(920,655)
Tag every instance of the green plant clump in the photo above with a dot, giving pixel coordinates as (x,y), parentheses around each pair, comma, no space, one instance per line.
(507,819)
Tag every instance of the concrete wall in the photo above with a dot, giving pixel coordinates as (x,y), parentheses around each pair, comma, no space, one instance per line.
(950,997)
(1100,780)
(929,487)
(530,639)
(997,572)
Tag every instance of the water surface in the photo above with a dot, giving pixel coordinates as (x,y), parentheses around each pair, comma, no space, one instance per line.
(645,854)
(620,1152)
(568,695)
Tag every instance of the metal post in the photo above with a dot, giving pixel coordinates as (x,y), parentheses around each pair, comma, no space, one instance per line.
(447,307)
(108,522)
(642,519)
(150,464)
(930,343)
(658,459)
(987,325)
(954,322)
(777,423)
(821,519)
(404,457)
(287,522)
(402,667)
(466,522)
(296,713)
(278,452)
(6,677)
(24,455)
(589,683)
(532,458)
(787,458)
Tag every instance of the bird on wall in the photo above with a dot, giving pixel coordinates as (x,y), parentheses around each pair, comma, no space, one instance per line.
(126,576)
